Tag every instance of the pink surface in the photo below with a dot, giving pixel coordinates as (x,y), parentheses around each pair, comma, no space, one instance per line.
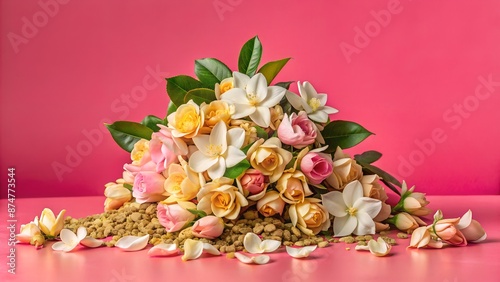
(414,72)
(476,262)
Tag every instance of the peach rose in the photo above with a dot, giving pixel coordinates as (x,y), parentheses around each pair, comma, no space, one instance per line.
(447,231)
(209,227)
(271,204)
(293,187)
(269,158)
(221,199)
(176,216)
(310,217)
(217,111)
(252,184)
(116,195)
(345,170)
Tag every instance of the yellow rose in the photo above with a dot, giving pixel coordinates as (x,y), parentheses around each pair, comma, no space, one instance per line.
(221,199)
(276,117)
(116,195)
(345,170)
(186,121)
(217,111)
(182,183)
(310,216)
(293,187)
(223,87)
(269,158)
(140,154)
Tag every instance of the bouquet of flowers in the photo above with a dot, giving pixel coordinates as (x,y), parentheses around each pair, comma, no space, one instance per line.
(234,144)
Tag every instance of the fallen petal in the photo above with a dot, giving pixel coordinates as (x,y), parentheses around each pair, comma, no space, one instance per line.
(91,242)
(192,249)
(163,250)
(252,242)
(210,249)
(269,246)
(362,248)
(300,252)
(132,243)
(262,259)
(81,233)
(379,248)
(61,246)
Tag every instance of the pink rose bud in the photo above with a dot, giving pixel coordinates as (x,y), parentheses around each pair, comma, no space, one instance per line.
(209,227)
(174,217)
(447,230)
(297,130)
(316,167)
(148,187)
(252,182)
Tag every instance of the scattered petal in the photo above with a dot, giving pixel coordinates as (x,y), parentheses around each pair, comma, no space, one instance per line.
(362,248)
(132,243)
(210,249)
(253,244)
(91,242)
(300,252)
(192,249)
(261,259)
(61,246)
(270,246)
(379,248)
(163,250)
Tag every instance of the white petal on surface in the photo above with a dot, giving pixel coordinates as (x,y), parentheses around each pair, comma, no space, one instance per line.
(192,249)
(68,237)
(240,79)
(208,248)
(352,192)
(199,162)
(334,203)
(365,224)
(163,250)
(262,259)
(252,242)
(257,86)
(295,100)
(465,220)
(217,170)
(132,243)
(202,142)
(91,242)
(261,116)
(60,246)
(236,137)
(300,252)
(274,96)
(292,211)
(368,205)
(361,248)
(234,156)
(379,248)
(218,136)
(81,233)
(269,245)
(343,226)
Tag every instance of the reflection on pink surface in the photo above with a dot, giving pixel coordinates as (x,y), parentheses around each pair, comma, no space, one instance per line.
(476,262)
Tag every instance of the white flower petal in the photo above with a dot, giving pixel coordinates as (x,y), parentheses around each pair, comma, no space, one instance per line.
(292,211)
(418,238)
(257,86)
(368,205)
(309,91)
(365,224)
(218,136)
(163,250)
(200,163)
(192,249)
(61,246)
(68,237)
(81,233)
(236,96)
(132,243)
(295,100)
(343,226)
(352,192)
(329,110)
(217,169)
(91,242)
(234,156)
(362,248)
(261,116)
(208,248)
(300,252)
(262,259)
(202,142)
(242,110)
(465,220)
(379,248)
(235,137)
(269,245)
(252,242)
(334,203)
(240,80)
(274,96)
(318,116)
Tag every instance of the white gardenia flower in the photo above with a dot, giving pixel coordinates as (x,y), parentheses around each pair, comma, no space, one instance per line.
(252,97)
(311,102)
(217,151)
(353,212)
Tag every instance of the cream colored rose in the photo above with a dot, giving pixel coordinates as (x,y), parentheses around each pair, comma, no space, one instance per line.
(116,195)
(345,170)
(373,189)
(310,217)
(186,121)
(182,182)
(270,204)
(293,187)
(225,85)
(221,198)
(276,117)
(217,111)
(269,158)
(140,153)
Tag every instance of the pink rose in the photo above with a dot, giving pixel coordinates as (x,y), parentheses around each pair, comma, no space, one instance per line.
(161,148)
(134,169)
(297,130)
(209,227)
(252,182)
(148,187)
(316,167)
(174,217)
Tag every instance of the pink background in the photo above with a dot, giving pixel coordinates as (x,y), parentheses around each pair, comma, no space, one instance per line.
(416,76)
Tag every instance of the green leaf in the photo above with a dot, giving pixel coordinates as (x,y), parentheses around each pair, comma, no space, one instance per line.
(344,134)
(250,56)
(152,121)
(178,86)
(285,84)
(261,133)
(386,177)
(237,170)
(198,213)
(368,157)
(246,148)
(211,71)
(128,186)
(271,69)
(200,95)
(127,133)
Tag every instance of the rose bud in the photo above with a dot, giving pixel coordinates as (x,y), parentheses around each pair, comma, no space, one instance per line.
(209,227)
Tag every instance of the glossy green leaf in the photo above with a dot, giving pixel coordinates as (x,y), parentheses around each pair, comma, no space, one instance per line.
(211,71)
(126,133)
(152,121)
(368,157)
(271,69)
(285,84)
(344,134)
(178,86)
(261,133)
(250,56)
(386,177)
(200,95)
(198,213)
(237,170)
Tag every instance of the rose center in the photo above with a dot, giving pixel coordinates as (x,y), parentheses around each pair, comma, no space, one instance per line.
(221,200)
